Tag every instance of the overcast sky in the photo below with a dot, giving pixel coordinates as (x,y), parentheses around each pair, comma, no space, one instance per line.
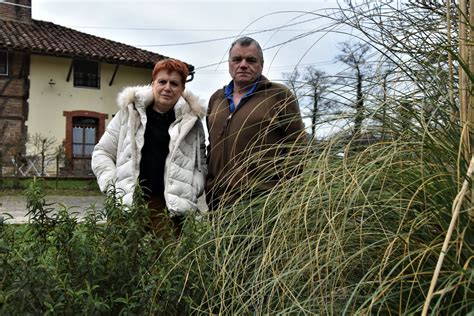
(292,33)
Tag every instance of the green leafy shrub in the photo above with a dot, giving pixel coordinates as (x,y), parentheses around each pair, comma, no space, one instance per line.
(109,263)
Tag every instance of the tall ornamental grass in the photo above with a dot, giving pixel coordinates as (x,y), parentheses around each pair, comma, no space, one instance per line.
(361,229)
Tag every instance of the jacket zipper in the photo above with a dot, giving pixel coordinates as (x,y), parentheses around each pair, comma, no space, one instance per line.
(226,132)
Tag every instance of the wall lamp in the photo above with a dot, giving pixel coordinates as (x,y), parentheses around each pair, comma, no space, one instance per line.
(51,82)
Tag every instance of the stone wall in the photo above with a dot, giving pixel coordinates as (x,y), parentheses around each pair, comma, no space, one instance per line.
(14,90)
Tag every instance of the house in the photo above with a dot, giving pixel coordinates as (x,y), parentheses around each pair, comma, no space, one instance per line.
(59,84)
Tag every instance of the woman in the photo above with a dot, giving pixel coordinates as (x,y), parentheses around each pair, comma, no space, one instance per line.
(157,140)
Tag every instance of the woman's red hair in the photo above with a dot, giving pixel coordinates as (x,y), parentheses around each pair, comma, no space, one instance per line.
(171,65)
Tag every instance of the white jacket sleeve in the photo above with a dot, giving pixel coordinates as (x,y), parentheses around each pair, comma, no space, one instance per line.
(104,156)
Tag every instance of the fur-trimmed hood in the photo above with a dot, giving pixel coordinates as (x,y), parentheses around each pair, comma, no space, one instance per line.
(142,96)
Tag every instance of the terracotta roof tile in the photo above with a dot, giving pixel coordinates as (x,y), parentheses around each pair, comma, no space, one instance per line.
(46,38)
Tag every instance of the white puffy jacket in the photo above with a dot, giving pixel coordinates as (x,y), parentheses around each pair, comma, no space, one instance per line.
(116,158)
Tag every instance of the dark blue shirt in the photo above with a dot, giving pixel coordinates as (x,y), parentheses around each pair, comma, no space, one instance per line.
(229,91)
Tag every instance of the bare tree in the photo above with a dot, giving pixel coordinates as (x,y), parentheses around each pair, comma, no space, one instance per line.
(17,149)
(384,92)
(354,55)
(294,83)
(43,146)
(311,88)
(317,84)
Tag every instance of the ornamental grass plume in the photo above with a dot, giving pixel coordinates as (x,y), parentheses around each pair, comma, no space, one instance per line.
(361,228)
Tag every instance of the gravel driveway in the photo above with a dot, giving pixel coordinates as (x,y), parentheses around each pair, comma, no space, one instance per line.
(16,205)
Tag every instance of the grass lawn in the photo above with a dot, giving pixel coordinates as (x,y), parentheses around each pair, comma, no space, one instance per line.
(69,187)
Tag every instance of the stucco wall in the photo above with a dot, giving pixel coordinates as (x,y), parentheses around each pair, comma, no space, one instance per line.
(47,102)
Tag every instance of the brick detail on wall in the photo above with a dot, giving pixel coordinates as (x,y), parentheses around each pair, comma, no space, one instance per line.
(13,139)
(13,87)
(14,93)
(101,117)
(20,12)
(11,108)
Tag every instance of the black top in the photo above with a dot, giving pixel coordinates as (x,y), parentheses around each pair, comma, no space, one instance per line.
(154,152)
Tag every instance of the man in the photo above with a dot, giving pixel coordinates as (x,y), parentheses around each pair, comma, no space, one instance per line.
(254,125)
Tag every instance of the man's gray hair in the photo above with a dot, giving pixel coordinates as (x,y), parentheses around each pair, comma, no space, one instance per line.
(247,41)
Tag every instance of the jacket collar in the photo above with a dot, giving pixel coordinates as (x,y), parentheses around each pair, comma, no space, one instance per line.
(262,83)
